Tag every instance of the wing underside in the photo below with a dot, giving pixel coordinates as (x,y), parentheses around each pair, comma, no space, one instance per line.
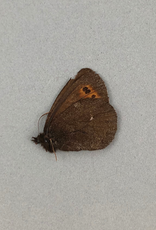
(73,92)
(86,125)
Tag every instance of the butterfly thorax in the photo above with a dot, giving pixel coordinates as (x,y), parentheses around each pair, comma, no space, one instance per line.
(48,143)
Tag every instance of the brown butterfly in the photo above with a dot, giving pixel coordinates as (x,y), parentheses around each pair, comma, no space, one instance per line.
(81,117)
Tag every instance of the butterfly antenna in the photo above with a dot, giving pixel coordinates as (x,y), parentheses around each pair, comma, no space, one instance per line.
(39,120)
(53,149)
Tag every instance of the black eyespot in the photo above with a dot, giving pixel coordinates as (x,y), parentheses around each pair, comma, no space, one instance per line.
(93,96)
(86,90)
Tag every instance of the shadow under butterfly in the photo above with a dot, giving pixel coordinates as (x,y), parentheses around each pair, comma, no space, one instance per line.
(81,117)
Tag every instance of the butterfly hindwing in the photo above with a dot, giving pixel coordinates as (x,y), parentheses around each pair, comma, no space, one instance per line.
(86,125)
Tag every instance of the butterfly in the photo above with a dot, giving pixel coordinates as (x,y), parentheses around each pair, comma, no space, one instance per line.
(81,117)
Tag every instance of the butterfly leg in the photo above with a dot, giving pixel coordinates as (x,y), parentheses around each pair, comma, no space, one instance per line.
(53,149)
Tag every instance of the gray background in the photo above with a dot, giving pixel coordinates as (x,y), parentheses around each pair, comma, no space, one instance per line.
(43,44)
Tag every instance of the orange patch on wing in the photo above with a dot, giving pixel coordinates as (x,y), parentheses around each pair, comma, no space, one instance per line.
(88,92)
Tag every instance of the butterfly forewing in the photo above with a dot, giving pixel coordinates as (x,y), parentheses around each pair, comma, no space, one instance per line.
(87,84)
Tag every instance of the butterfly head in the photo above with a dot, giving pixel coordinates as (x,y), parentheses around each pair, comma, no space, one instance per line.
(46,142)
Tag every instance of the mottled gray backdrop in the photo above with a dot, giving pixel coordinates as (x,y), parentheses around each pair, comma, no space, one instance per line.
(42,45)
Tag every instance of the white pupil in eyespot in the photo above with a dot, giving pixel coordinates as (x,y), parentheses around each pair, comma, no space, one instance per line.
(46,140)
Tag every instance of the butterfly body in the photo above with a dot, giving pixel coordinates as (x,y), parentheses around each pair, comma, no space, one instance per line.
(81,117)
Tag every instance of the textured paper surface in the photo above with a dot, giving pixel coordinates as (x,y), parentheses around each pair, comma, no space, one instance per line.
(43,44)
